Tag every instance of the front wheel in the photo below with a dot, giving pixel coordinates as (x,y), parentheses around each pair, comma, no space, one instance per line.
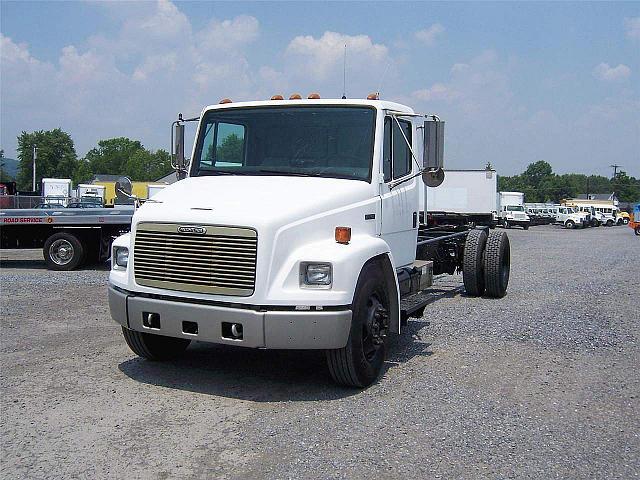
(637,230)
(609,223)
(154,347)
(570,224)
(625,221)
(359,363)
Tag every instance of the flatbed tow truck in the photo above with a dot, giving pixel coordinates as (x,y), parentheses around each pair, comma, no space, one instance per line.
(69,237)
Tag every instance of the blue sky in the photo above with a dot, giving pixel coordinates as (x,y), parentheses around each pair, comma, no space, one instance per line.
(516,83)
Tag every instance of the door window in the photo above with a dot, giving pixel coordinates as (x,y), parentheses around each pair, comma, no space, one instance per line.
(396,157)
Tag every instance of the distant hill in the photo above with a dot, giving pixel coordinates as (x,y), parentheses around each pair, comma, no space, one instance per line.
(10,166)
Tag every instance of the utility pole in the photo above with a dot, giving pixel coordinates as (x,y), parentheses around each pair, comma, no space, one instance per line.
(35,155)
(615,169)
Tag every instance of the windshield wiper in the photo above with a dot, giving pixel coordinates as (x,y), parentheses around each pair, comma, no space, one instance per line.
(293,174)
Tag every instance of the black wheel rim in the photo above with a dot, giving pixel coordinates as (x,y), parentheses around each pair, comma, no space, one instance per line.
(375,326)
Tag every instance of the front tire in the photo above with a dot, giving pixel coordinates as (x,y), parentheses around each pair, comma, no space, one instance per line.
(497,264)
(570,224)
(473,263)
(359,363)
(609,223)
(154,347)
(63,251)
(637,230)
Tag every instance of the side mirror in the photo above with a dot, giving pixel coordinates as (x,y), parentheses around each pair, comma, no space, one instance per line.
(433,155)
(179,163)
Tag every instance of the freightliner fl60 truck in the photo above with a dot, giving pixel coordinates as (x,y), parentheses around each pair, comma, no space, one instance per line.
(300,225)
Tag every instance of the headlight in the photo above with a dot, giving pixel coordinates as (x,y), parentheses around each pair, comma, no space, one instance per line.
(315,274)
(121,256)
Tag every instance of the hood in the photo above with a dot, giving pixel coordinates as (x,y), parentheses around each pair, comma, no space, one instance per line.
(251,200)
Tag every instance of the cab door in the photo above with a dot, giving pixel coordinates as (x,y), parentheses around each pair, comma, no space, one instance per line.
(399,226)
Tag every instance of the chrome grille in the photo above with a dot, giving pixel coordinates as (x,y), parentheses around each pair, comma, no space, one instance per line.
(207,259)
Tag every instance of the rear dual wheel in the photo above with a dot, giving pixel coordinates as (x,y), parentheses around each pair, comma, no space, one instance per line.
(486,263)
(497,264)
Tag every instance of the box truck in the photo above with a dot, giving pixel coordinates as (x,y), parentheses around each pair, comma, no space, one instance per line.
(511,210)
(465,196)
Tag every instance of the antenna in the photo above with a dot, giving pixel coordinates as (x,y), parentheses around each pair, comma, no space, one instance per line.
(344,73)
(382,78)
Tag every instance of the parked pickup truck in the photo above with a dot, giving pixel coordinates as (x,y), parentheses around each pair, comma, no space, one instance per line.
(299,225)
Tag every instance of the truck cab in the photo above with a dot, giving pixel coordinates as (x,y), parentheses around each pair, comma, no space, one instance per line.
(297,227)
(568,217)
(514,215)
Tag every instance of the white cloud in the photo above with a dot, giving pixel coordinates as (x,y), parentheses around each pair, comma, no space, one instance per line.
(632,27)
(608,73)
(429,35)
(437,92)
(323,56)
(125,83)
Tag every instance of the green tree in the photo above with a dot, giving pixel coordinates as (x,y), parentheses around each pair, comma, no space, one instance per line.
(537,173)
(144,165)
(4,176)
(230,150)
(56,156)
(111,155)
(626,188)
(83,173)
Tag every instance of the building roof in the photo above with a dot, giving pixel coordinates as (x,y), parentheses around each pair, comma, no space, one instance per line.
(105,177)
(596,196)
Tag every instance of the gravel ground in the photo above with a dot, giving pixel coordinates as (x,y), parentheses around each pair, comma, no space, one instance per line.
(543,383)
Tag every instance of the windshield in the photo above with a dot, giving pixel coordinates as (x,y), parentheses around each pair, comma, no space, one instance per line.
(515,208)
(317,141)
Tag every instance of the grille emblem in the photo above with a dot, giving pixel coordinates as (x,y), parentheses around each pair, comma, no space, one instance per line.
(191,229)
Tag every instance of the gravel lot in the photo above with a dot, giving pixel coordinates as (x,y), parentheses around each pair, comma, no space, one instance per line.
(543,383)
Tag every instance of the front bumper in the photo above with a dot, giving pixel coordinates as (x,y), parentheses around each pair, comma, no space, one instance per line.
(518,222)
(262,328)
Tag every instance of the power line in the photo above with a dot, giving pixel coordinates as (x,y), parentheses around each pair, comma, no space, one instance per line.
(615,169)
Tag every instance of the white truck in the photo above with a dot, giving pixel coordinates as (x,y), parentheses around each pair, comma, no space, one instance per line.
(511,210)
(91,193)
(569,218)
(297,227)
(56,191)
(154,188)
(465,196)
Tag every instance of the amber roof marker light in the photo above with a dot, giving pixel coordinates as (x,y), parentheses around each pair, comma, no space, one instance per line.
(343,235)
(295,96)
(225,100)
(314,96)
(277,97)
(373,96)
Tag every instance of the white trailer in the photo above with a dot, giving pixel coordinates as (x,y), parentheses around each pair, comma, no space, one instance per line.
(56,190)
(468,196)
(154,188)
(91,192)
(511,210)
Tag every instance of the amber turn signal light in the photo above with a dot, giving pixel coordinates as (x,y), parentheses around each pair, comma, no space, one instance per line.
(343,235)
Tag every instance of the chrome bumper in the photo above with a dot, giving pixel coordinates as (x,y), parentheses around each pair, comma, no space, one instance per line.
(276,329)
